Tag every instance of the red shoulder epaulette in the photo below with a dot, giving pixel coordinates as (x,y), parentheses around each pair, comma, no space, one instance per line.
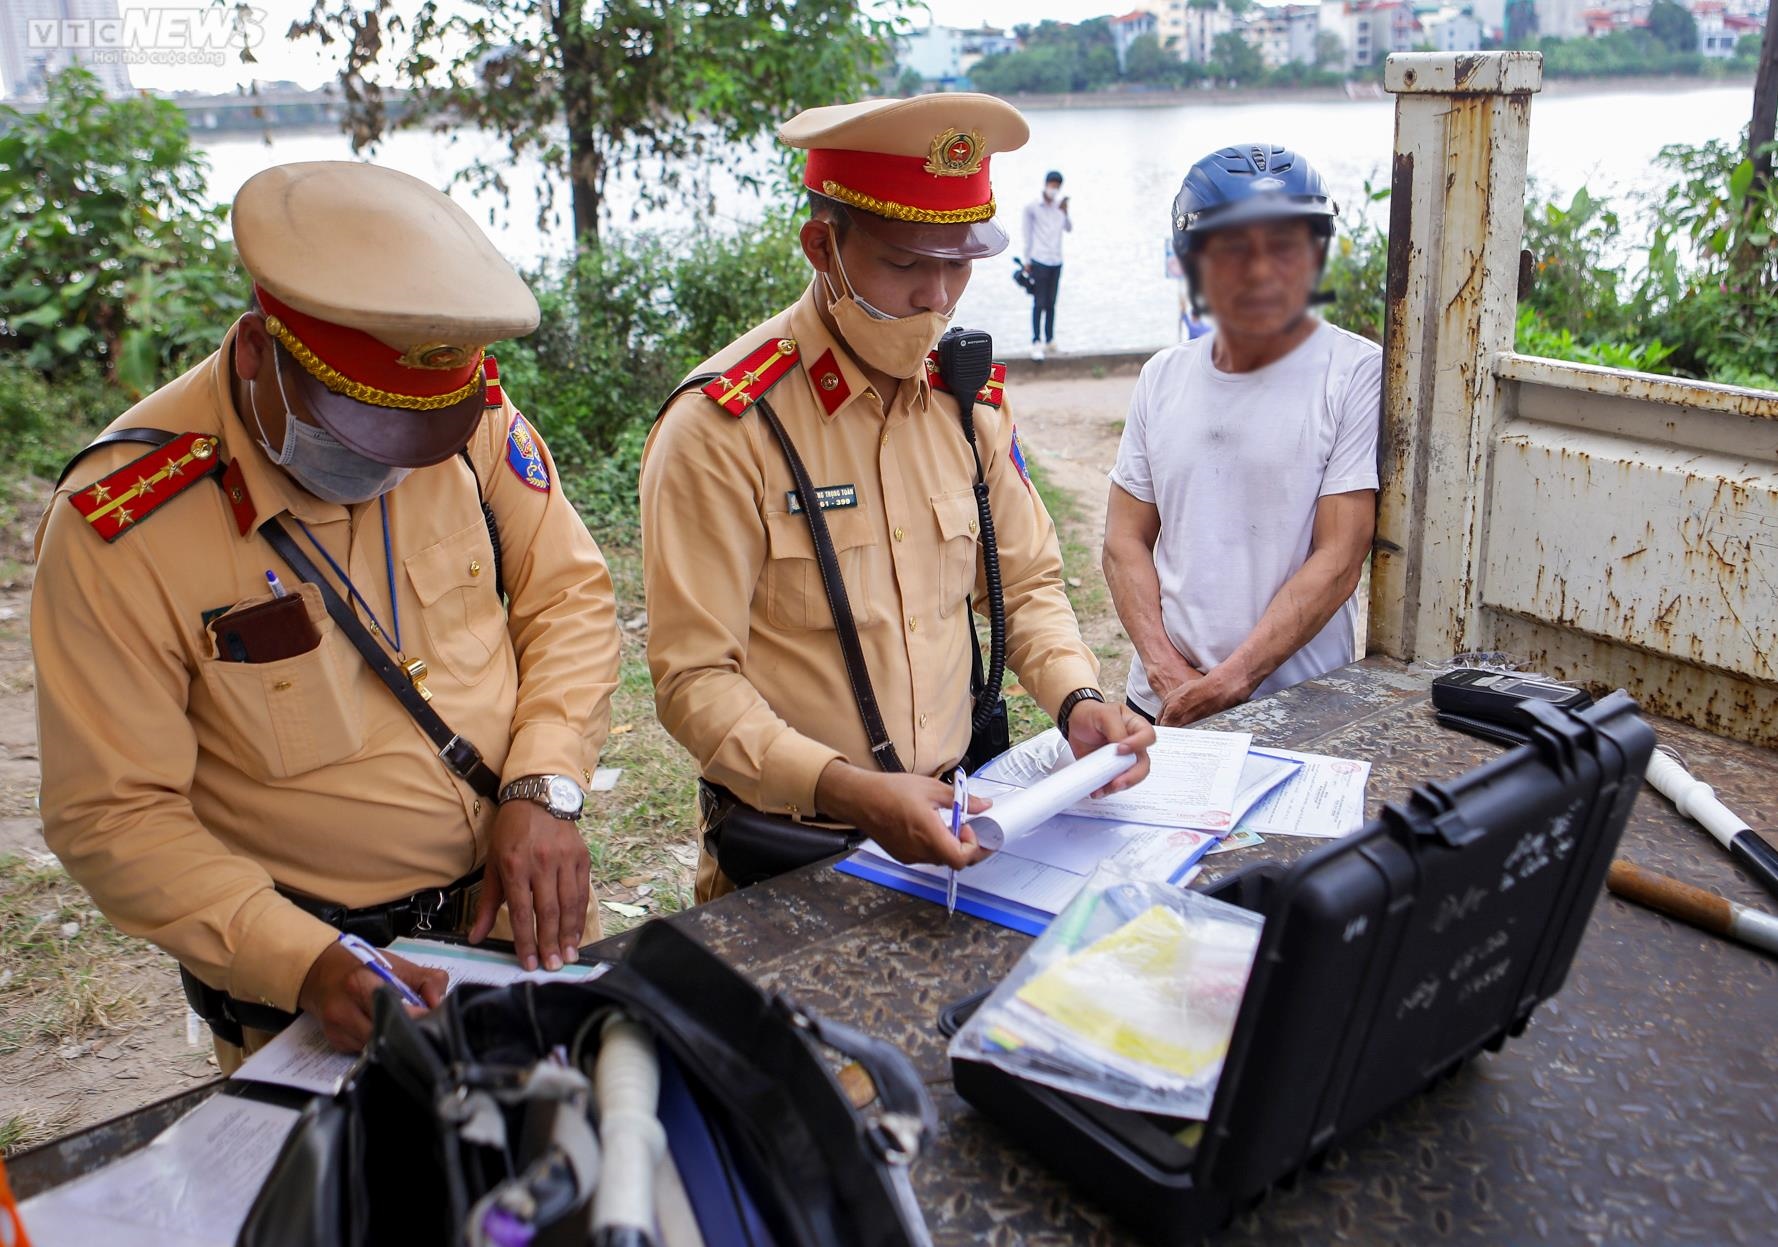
(492,395)
(118,502)
(991,393)
(742,385)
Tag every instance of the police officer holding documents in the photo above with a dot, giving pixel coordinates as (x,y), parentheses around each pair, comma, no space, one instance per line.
(797,721)
(280,695)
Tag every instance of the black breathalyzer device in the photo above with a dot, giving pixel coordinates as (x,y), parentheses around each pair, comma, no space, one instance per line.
(965,362)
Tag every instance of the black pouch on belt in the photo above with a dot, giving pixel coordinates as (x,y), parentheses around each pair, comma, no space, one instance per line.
(752,846)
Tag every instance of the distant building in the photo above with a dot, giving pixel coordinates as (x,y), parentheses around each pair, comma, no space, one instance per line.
(1451,29)
(39,38)
(1189,28)
(1284,34)
(943,55)
(1565,19)
(1127,29)
(1371,29)
(1720,30)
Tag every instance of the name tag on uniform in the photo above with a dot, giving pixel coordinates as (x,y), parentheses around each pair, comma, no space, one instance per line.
(828,498)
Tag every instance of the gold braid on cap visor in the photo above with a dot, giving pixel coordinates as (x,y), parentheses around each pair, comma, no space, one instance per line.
(339,383)
(902,212)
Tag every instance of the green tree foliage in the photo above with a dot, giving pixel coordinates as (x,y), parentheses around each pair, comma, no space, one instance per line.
(1056,57)
(1672,26)
(622,324)
(110,255)
(652,90)
(1234,59)
(1146,61)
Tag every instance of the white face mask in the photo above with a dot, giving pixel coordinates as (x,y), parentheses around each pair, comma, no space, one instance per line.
(1049,194)
(317,460)
(897,345)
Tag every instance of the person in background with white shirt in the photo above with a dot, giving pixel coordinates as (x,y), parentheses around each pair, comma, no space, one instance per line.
(1243,501)
(1046,220)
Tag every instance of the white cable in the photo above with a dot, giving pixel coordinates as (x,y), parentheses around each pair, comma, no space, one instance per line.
(1693,798)
(628,1079)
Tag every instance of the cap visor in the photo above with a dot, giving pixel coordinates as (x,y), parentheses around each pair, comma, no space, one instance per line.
(393,435)
(975,241)
(1263,208)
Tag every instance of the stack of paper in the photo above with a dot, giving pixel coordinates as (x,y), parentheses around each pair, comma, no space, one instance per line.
(1049,835)
(301,1057)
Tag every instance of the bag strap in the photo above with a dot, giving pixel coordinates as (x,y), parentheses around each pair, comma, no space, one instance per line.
(882,749)
(488,519)
(457,753)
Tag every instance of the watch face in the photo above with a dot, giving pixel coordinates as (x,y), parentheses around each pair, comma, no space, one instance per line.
(564,793)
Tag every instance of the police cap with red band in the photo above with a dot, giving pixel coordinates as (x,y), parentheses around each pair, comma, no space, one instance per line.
(384,292)
(913,172)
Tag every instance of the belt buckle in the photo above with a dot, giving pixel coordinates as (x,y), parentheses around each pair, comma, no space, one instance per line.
(426,907)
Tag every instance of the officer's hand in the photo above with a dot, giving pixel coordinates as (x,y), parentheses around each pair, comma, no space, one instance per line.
(1095,724)
(909,815)
(537,864)
(339,990)
(1198,699)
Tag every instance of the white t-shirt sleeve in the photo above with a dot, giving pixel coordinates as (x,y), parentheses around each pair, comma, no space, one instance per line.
(1131,471)
(1358,411)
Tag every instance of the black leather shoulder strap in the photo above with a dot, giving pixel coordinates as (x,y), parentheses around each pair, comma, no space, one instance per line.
(844,622)
(152,438)
(457,753)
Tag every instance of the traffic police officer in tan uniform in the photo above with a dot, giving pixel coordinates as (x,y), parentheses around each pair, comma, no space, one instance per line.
(748,673)
(216,778)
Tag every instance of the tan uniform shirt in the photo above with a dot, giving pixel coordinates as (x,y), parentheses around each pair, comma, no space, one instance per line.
(747,670)
(178,787)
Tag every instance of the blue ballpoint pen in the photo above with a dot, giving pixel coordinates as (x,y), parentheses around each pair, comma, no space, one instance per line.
(379,966)
(959,801)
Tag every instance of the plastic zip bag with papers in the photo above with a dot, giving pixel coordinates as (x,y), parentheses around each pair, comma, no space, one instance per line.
(1130,997)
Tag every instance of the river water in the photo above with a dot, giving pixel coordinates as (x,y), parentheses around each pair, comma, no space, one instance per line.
(1122,166)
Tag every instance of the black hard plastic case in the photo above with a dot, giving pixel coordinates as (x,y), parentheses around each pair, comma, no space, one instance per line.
(1388,959)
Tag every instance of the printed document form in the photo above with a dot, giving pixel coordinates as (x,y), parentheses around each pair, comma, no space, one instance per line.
(191,1187)
(301,1057)
(1049,834)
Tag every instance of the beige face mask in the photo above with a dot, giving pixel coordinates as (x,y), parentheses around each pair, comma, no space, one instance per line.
(897,345)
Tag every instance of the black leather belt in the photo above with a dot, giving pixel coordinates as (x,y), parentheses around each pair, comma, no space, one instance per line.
(435,909)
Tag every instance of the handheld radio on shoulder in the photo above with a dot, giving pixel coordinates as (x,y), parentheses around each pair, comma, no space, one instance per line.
(965,362)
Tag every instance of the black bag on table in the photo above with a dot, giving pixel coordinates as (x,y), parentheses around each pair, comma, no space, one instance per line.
(444,1108)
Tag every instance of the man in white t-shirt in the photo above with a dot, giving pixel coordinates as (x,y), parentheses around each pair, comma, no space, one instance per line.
(1243,501)
(1046,220)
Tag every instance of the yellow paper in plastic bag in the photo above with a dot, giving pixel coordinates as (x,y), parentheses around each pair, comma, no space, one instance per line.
(1158,990)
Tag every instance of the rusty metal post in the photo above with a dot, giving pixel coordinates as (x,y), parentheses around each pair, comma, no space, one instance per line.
(1455,226)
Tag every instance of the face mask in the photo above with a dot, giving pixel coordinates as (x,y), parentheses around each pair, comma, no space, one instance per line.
(897,345)
(317,460)
(1049,196)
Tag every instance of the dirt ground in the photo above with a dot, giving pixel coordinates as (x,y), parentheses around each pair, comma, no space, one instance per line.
(93,1024)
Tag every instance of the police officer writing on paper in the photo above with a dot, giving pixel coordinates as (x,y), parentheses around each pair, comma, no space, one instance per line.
(279,694)
(1046,220)
(1243,500)
(751,672)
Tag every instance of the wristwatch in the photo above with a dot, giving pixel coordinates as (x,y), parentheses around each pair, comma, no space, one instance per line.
(558,794)
(1071,701)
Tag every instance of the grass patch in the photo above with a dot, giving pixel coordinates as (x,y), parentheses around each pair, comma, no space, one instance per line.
(61,987)
(642,835)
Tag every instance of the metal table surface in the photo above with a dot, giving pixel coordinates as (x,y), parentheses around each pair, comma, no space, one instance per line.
(1639,1106)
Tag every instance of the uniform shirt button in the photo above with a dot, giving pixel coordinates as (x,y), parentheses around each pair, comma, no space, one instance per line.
(478,807)
(475,567)
(922,720)
(913,624)
(885,441)
(791,808)
(972,526)
(900,533)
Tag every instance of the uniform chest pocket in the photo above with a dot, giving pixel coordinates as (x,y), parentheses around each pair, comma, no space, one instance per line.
(462,623)
(795,596)
(959,531)
(279,720)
